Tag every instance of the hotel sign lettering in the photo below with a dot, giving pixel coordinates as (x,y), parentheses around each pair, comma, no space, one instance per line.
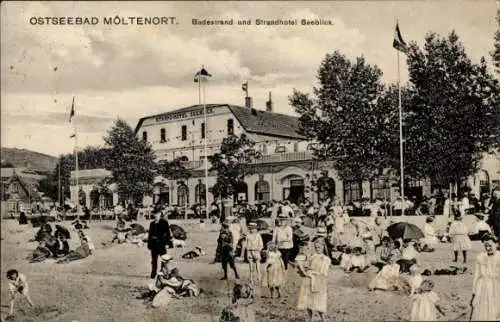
(182,115)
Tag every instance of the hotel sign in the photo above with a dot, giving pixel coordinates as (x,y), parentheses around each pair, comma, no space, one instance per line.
(182,115)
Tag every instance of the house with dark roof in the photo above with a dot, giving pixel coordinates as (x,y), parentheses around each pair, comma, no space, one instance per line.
(282,171)
(20,191)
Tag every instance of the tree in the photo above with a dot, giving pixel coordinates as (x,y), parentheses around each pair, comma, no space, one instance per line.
(131,161)
(496,51)
(344,117)
(175,169)
(453,114)
(232,164)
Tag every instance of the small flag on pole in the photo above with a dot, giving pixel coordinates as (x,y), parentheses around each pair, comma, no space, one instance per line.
(72,136)
(399,43)
(244,87)
(201,75)
(72,113)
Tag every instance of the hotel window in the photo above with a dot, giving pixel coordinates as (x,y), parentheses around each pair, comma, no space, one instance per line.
(144,136)
(163,136)
(380,189)
(296,147)
(184,133)
(230,127)
(352,191)
(202,130)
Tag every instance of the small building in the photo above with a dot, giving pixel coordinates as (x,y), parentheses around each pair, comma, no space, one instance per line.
(95,190)
(20,191)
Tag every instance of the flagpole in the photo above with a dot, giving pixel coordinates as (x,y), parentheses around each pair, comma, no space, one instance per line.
(59,182)
(76,169)
(401,141)
(205,147)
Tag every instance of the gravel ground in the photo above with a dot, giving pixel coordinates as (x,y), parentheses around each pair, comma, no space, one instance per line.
(103,287)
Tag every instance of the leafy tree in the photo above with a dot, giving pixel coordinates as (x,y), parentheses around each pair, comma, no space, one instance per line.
(131,161)
(453,114)
(232,164)
(175,169)
(344,117)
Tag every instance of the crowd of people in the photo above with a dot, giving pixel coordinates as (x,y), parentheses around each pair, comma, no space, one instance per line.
(353,245)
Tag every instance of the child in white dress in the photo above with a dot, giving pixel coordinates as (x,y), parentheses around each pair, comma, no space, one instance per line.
(459,237)
(425,303)
(253,245)
(415,279)
(18,286)
(274,269)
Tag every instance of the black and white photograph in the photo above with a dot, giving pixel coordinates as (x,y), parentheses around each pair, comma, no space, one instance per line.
(250,161)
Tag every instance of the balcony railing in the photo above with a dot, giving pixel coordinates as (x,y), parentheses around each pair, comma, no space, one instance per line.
(270,158)
(284,157)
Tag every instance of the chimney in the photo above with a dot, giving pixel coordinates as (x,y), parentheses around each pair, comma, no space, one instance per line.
(269,104)
(248,102)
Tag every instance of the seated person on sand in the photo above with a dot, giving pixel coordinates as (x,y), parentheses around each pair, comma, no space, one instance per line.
(168,279)
(81,252)
(430,238)
(41,253)
(383,252)
(240,310)
(388,279)
(197,252)
(79,224)
(408,257)
(44,232)
(136,235)
(355,262)
(415,279)
(481,229)
(61,246)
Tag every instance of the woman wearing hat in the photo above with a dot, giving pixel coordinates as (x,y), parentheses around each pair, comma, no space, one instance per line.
(486,284)
(459,235)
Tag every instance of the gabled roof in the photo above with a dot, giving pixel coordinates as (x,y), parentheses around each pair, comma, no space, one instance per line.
(24,173)
(30,188)
(252,120)
(267,123)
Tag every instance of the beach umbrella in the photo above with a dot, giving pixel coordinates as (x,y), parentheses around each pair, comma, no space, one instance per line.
(404,230)
(178,232)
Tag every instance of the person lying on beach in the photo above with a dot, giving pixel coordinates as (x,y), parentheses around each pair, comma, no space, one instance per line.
(41,253)
(197,252)
(81,252)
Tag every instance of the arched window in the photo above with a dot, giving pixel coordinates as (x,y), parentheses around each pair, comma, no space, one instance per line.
(262,191)
(199,193)
(182,194)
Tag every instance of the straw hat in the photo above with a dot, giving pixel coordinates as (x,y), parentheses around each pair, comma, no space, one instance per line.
(252,225)
(166,258)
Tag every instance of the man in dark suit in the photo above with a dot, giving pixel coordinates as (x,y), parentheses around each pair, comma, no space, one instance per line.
(158,239)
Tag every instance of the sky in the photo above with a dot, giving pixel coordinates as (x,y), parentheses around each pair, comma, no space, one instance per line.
(140,70)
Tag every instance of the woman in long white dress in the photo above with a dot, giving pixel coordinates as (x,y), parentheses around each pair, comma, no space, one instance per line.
(313,290)
(387,278)
(486,284)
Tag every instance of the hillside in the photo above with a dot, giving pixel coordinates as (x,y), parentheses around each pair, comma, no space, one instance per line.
(25,158)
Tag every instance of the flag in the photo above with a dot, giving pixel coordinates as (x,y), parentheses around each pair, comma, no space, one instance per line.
(244,87)
(399,43)
(201,75)
(72,136)
(72,113)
